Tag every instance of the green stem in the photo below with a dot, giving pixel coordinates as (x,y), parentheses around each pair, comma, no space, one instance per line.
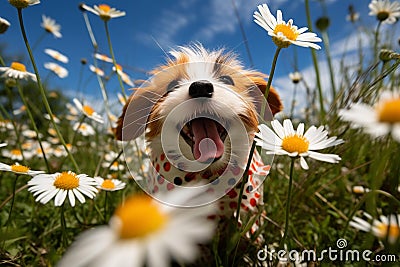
(315,63)
(2,63)
(325,39)
(73,139)
(28,111)
(289,196)
(63,227)
(376,41)
(121,84)
(90,31)
(270,77)
(105,207)
(253,146)
(42,90)
(12,201)
(293,102)
(39,40)
(104,93)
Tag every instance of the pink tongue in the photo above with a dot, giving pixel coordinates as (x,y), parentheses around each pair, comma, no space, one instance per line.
(207,142)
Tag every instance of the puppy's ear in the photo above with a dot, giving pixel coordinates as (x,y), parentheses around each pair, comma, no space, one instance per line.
(274,100)
(132,123)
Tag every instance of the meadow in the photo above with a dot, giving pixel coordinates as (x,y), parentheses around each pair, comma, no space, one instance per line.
(62,171)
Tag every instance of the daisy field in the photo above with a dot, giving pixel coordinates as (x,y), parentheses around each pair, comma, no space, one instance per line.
(69,190)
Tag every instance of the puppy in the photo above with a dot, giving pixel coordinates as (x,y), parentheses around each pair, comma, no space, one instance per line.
(199,113)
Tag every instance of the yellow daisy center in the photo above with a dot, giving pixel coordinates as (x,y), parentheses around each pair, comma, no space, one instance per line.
(66,181)
(295,143)
(105,8)
(18,66)
(16,152)
(19,3)
(393,230)
(19,168)
(139,216)
(88,110)
(108,184)
(287,30)
(389,111)
(382,15)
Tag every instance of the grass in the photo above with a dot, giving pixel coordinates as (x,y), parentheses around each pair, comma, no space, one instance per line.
(322,202)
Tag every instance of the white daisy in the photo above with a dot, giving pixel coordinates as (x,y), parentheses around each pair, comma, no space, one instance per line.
(60,151)
(109,184)
(18,169)
(58,185)
(379,120)
(284,33)
(47,117)
(4,24)
(296,77)
(121,99)
(144,232)
(359,189)
(23,3)
(115,166)
(30,133)
(56,55)
(57,69)
(48,150)
(16,154)
(98,71)
(125,77)
(88,111)
(105,12)
(17,71)
(84,129)
(19,110)
(51,26)
(386,228)
(385,11)
(284,140)
(103,57)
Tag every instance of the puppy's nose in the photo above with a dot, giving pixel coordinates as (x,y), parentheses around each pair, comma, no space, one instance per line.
(201,88)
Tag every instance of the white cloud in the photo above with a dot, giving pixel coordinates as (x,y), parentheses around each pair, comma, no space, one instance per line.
(211,18)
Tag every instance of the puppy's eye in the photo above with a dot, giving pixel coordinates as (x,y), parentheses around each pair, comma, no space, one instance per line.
(227,80)
(172,86)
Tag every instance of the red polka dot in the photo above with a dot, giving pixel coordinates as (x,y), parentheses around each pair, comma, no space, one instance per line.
(232,193)
(167,166)
(158,167)
(257,195)
(253,202)
(160,179)
(162,157)
(212,217)
(155,189)
(190,176)
(210,190)
(250,172)
(170,186)
(233,205)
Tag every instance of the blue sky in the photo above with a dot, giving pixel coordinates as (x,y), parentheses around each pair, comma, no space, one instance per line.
(149,25)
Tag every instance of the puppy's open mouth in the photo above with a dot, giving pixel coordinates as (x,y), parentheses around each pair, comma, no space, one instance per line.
(206,138)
